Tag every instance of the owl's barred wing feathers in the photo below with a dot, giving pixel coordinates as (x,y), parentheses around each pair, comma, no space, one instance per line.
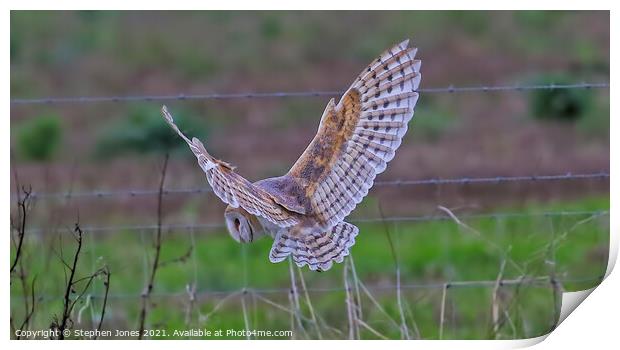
(359,136)
(232,188)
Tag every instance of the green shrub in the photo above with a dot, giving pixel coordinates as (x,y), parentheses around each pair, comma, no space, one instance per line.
(39,139)
(143,131)
(560,104)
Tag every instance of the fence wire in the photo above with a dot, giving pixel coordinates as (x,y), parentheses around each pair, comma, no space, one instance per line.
(537,281)
(421,182)
(422,218)
(257,95)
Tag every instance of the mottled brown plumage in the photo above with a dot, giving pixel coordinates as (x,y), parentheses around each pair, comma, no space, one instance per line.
(304,209)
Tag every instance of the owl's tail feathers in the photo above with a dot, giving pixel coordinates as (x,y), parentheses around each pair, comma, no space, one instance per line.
(318,250)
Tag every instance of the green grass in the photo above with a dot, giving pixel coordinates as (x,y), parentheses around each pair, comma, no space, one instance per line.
(428,253)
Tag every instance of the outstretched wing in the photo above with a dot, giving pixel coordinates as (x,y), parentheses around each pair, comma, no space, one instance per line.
(358,136)
(230,187)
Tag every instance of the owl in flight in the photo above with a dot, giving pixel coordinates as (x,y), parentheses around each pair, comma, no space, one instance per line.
(304,210)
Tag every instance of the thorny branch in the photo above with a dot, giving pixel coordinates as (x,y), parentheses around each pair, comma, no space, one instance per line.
(146,294)
(67,304)
(22,204)
(72,282)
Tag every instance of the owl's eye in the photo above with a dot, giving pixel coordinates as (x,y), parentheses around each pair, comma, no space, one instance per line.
(237,224)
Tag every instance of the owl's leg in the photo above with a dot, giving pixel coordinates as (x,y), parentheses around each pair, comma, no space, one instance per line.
(317,250)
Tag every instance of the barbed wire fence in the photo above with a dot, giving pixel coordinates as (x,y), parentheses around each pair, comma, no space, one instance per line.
(300,319)
(321,93)
(540,281)
(389,183)
(419,218)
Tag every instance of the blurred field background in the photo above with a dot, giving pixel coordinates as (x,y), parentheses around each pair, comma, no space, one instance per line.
(559,230)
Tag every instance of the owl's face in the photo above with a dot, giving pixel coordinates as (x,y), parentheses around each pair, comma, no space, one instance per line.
(242,226)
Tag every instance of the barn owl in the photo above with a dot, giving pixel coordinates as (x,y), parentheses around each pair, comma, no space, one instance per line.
(304,210)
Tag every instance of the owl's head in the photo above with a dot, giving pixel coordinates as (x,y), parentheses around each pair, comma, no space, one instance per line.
(242,226)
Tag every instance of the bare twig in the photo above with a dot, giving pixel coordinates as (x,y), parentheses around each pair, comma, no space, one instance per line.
(23,205)
(89,280)
(15,177)
(21,229)
(151,282)
(67,304)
